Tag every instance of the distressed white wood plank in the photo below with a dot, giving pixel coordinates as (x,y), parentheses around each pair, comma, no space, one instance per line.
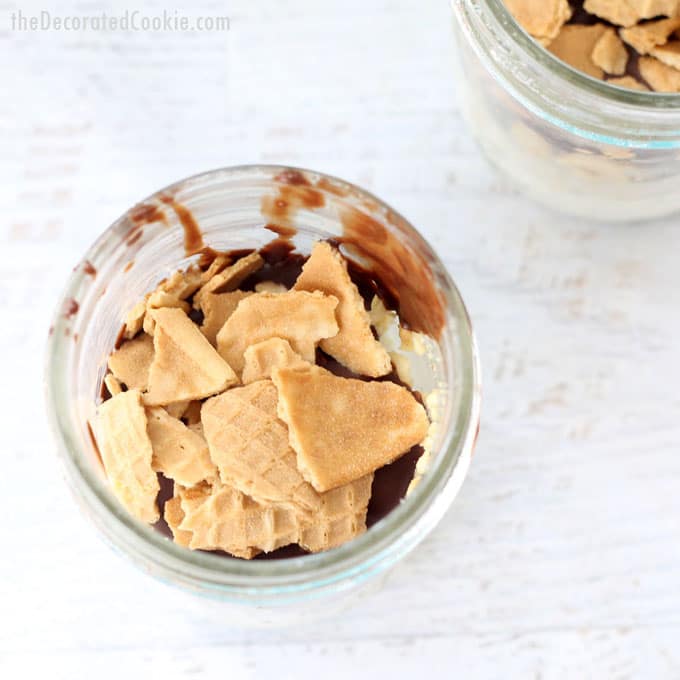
(560,557)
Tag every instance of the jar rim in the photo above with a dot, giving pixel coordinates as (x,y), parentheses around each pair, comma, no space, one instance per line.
(658,108)
(382,545)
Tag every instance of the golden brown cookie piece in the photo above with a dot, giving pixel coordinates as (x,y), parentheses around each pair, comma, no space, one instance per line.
(216,266)
(354,345)
(126,453)
(178,452)
(134,320)
(131,363)
(173,515)
(660,77)
(668,54)
(231,278)
(217,309)
(540,18)
(263,357)
(610,53)
(301,318)
(183,284)
(574,45)
(112,384)
(221,518)
(645,37)
(342,516)
(185,366)
(250,447)
(649,9)
(343,429)
(628,82)
(619,12)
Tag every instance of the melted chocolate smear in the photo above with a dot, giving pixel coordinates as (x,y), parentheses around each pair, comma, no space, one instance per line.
(286,232)
(167,489)
(193,236)
(89,269)
(94,444)
(390,485)
(146,213)
(197,316)
(71,308)
(120,338)
(291,176)
(135,237)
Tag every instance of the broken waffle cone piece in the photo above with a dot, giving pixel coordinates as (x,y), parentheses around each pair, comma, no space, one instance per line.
(126,453)
(354,345)
(301,318)
(178,452)
(231,278)
(131,363)
(217,309)
(619,12)
(645,37)
(135,320)
(343,429)
(540,18)
(341,517)
(575,44)
(668,54)
(112,384)
(250,447)
(185,366)
(183,284)
(263,357)
(661,78)
(610,53)
(220,517)
(173,515)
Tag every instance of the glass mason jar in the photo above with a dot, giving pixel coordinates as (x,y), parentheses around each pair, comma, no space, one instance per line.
(573,143)
(147,244)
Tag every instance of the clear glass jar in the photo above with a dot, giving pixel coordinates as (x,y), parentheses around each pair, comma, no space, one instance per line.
(228,205)
(576,144)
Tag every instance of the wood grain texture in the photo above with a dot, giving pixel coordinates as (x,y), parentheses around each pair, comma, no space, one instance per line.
(560,558)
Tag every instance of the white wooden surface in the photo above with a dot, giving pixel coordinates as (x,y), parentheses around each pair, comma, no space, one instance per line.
(561,557)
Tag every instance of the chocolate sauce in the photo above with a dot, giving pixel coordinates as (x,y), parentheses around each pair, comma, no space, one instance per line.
(134,237)
(128,266)
(89,269)
(71,308)
(193,236)
(146,213)
(166,492)
(94,444)
(286,232)
(119,338)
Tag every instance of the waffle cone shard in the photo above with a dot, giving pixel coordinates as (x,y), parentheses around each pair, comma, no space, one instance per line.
(250,447)
(185,366)
(301,318)
(263,357)
(178,452)
(217,309)
(220,517)
(131,363)
(341,517)
(343,429)
(230,278)
(354,345)
(174,515)
(127,453)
